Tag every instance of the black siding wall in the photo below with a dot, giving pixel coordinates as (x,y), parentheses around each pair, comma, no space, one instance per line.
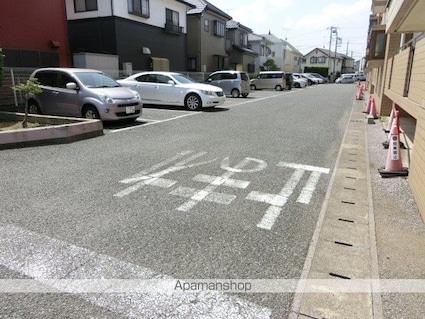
(126,39)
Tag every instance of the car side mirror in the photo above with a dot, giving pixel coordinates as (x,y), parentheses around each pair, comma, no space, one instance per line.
(71,86)
(171,82)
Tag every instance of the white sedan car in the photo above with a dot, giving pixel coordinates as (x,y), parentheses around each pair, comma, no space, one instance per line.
(170,88)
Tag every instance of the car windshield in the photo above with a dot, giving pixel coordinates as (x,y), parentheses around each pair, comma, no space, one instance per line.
(96,80)
(183,79)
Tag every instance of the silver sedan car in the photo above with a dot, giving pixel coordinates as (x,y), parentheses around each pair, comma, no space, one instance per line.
(170,88)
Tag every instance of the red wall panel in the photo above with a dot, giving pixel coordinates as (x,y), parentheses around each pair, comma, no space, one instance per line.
(32,25)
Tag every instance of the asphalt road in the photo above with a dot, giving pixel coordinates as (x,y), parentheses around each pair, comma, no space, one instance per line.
(231,193)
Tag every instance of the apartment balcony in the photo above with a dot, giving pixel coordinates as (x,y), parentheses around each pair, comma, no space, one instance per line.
(405,77)
(379,6)
(405,16)
(173,29)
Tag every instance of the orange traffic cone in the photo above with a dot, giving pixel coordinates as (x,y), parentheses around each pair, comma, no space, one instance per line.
(369,102)
(373,109)
(394,165)
(390,122)
(359,95)
(395,120)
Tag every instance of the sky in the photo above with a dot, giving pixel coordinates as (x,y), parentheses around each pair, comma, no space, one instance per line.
(306,24)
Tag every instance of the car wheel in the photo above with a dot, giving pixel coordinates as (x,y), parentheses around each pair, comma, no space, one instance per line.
(91,112)
(245,94)
(253,87)
(193,102)
(235,93)
(33,107)
(297,85)
(278,88)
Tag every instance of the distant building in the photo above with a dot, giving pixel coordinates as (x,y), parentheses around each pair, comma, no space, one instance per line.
(262,46)
(293,59)
(278,50)
(241,56)
(206,37)
(333,64)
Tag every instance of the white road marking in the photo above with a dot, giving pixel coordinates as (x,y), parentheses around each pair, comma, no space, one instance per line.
(309,188)
(154,123)
(218,180)
(197,195)
(144,178)
(202,194)
(50,261)
(277,201)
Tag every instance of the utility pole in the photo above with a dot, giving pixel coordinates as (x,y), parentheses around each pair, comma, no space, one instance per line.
(333,30)
(336,45)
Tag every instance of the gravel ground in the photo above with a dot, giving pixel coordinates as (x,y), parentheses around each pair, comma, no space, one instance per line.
(400,230)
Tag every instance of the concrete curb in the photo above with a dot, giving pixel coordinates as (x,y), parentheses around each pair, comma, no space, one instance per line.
(58,130)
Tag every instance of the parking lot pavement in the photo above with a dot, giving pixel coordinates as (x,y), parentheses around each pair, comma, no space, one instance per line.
(155,114)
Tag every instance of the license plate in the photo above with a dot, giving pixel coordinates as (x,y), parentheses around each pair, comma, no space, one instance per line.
(130,109)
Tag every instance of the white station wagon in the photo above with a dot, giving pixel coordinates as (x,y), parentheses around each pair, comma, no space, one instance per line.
(170,88)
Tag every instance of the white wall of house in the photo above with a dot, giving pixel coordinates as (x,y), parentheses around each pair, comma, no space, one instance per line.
(119,8)
(278,54)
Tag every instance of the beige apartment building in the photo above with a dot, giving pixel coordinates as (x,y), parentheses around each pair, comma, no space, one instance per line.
(395,71)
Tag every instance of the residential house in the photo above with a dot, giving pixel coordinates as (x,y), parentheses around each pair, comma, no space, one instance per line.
(261,46)
(32,36)
(241,57)
(293,59)
(395,71)
(206,37)
(328,63)
(278,50)
(140,34)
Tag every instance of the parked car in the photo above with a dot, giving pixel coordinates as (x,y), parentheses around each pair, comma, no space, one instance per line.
(346,78)
(83,93)
(360,76)
(299,82)
(319,76)
(269,80)
(233,83)
(171,88)
(310,79)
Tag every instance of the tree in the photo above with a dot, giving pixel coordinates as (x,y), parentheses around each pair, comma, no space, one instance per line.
(32,86)
(270,65)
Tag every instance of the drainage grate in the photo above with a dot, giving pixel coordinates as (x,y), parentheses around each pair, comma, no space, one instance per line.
(339,276)
(346,220)
(343,244)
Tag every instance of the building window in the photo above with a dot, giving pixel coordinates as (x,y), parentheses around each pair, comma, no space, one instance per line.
(219,28)
(85,5)
(139,7)
(321,59)
(206,25)
(313,60)
(377,45)
(244,39)
(172,22)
